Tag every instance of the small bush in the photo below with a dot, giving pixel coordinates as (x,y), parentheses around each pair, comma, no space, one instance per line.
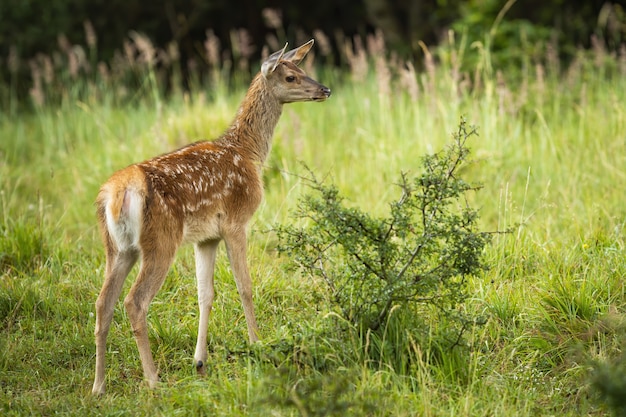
(610,382)
(417,258)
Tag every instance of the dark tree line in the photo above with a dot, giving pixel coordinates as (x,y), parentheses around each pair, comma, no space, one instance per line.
(29,27)
(32,26)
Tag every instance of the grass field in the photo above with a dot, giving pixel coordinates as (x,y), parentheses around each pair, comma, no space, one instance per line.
(551,155)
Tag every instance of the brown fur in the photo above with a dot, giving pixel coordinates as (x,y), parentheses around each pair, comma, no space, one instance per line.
(202,193)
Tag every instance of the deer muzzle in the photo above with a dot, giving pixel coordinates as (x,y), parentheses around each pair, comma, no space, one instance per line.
(322,93)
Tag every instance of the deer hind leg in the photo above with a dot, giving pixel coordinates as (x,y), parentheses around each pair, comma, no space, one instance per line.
(205,267)
(236,249)
(118,265)
(154,267)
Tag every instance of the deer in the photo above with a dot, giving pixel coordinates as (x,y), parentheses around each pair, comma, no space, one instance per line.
(200,194)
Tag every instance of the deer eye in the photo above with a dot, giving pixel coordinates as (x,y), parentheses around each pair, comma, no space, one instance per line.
(290,78)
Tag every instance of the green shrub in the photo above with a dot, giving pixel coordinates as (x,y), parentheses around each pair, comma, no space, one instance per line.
(417,258)
(610,381)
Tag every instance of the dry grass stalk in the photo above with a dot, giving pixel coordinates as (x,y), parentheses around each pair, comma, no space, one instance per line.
(143,45)
(273,18)
(212,48)
(36,91)
(323,42)
(103,70)
(90,34)
(408,81)
(64,43)
(357,58)
(246,48)
(429,65)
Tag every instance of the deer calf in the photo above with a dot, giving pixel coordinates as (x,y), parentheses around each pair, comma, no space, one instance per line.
(202,193)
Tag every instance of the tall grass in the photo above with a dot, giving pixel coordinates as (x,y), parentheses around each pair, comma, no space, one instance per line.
(550,154)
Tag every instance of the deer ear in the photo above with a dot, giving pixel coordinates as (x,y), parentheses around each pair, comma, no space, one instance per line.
(297,55)
(269,65)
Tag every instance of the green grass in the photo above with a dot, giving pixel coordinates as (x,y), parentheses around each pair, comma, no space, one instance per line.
(551,154)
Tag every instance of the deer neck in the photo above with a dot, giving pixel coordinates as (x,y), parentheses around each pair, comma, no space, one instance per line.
(254,124)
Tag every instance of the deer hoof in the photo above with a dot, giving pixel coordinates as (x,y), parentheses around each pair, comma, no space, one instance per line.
(200,368)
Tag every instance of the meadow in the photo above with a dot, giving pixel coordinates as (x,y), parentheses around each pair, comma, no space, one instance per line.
(550,155)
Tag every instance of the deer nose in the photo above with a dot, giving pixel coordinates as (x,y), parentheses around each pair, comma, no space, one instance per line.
(326,91)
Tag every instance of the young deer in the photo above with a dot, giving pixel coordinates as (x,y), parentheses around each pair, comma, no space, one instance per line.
(199,194)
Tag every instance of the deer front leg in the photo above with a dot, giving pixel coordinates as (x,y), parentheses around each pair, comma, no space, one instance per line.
(118,265)
(205,267)
(236,249)
(154,267)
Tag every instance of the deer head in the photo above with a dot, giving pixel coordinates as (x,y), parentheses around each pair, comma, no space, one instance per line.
(288,82)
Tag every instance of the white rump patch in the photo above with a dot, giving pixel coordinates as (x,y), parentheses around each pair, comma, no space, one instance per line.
(126,230)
